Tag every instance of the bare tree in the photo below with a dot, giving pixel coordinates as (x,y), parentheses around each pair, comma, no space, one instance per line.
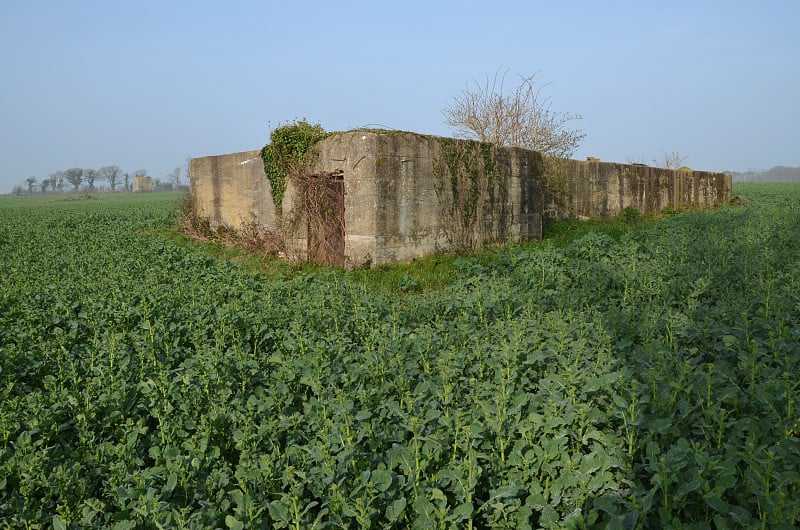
(91,175)
(44,184)
(31,183)
(519,117)
(174,177)
(159,185)
(634,161)
(673,160)
(57,180)
(74,176)
(111,174)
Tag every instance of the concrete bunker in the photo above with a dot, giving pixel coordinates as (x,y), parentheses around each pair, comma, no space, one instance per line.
(142,183)
(375,197)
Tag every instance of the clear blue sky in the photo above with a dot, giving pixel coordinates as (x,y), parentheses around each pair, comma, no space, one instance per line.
(146,84)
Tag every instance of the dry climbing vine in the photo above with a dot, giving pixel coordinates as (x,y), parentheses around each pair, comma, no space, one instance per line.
(318,203)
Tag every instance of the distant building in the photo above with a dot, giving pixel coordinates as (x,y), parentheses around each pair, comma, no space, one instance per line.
(142,183)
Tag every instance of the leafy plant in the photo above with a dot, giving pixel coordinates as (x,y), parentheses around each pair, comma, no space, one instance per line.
(287,152)
(630,215)
(643,376)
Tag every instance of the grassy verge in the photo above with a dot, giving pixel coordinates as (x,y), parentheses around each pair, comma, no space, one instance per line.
(430,272)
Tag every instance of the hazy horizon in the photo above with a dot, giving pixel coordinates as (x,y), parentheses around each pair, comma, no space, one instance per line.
(145,85)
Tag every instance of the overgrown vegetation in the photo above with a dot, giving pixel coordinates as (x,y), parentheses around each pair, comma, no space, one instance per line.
(320,208)
(250,237)
(287,153)
(560,188)
(519,117)
(643,380)
(466,184)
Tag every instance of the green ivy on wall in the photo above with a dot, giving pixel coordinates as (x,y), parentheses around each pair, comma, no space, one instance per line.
(470,169)
(288,149)
(489,155)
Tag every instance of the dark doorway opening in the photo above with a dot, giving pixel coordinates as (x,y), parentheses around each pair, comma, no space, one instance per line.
(325,210)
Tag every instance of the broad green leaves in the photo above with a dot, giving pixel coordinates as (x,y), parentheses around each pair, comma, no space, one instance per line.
(646,381)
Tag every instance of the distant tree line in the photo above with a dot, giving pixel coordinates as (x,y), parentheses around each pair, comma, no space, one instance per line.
(77,179)
(776,174)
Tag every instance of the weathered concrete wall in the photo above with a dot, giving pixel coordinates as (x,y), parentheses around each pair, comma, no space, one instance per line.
(232,190)
(142,183)
(402,199)
(399,196)
(408,195)
(593,188)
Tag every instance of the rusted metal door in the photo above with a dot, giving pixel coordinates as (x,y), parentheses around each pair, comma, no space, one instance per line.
(326,221)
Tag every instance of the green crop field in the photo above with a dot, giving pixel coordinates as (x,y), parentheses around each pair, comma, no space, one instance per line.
(646,377)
